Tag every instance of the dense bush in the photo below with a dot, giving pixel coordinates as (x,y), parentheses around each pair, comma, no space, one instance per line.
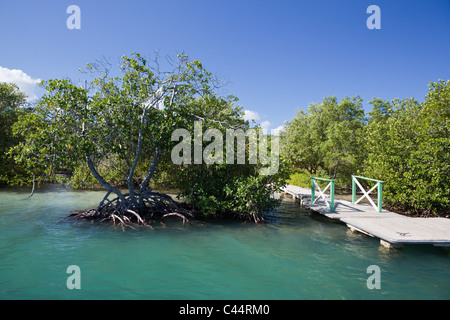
(408,146)
(403,142)
(327,138)
(233,191)
(12,104)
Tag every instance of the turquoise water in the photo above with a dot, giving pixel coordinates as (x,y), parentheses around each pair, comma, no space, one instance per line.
(296,255)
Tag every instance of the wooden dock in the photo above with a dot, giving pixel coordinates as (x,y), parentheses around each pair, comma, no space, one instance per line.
(393,230)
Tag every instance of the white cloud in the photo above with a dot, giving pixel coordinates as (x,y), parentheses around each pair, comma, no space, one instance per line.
(25,83)
(251,115)
(265,126)
(277,130)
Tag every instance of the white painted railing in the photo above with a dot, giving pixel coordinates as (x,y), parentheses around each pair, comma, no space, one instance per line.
(330,185)
(379,185)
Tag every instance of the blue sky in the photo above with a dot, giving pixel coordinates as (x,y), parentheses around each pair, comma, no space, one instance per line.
(276,55)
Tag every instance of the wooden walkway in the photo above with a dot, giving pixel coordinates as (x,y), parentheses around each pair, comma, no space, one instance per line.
(393,230)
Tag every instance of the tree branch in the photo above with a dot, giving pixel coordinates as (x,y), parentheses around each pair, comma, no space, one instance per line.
(150,172)
(102,181)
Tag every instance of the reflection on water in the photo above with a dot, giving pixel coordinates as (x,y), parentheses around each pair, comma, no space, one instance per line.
(297,255)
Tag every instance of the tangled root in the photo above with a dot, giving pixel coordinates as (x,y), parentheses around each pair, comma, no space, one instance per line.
(151,207)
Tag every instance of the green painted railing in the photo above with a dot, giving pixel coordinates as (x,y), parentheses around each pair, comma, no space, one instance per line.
(314,184)
(379,185)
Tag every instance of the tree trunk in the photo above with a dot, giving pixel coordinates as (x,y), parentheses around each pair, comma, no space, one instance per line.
(103,182)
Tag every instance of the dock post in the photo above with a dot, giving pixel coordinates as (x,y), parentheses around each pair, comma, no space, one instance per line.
(332,197)
(353,190)
(390,245)
(380,195)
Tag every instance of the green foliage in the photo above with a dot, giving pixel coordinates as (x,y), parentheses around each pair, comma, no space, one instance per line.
(12,105)
(115,132)
(112,169)
(48,142)
(327,137)
(301,178)
(230,189)
(402,142)
(118,118)
(301,142)
(408,146)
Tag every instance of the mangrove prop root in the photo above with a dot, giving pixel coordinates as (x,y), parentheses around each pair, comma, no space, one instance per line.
(176,214)
(153,206)
(137,216)
(150,207)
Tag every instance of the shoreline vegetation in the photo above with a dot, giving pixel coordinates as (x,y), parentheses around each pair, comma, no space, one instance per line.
(117,133)
(404,143)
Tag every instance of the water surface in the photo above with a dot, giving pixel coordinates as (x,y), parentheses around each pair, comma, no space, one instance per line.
(296,255)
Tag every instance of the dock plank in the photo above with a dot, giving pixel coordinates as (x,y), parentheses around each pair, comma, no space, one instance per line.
(405,231)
